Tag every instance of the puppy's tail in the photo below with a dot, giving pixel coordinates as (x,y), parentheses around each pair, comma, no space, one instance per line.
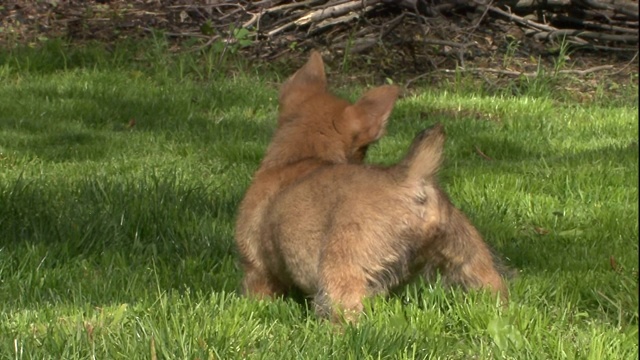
(425,154)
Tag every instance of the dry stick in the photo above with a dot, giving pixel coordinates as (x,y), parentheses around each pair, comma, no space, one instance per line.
(333,3)
(229,14)
(290,6)
(522,20)
(280,29)
(472,29)
(287,24)
(205,45)
(482,154)
(537,34)
(447,43)
(484,14)
(548,30)
(530,74)
(625,8)
(595,25)
(338,20)
(334,11)
(265,3)
(586,71)
(324,13)
(523,4)
(186,34)
(206,6)
(358,45)
(585,34)
(607,18)
(256,17)
(392,25)
(238,8)
(152,348)
(627,65)
(509,72)
(601,47)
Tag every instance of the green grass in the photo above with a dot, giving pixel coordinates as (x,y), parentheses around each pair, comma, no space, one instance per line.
(117,242)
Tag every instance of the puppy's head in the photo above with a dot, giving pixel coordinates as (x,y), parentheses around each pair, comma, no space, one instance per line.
(321,125)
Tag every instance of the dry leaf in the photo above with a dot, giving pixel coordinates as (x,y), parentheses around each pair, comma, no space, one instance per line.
(540,231)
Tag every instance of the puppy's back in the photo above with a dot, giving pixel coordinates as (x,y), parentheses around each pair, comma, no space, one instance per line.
(362,198)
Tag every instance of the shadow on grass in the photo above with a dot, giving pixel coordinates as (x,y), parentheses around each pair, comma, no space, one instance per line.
(123,228)
(559,179)
(163,232)
(73,125)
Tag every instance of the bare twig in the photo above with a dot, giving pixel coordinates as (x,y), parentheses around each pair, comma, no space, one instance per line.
(586,71)
(480,18)
(623,7)
(522,21)
(627,65)
(335,11)
(510,72)
(338,20)
(291,6)
(392,25)
(598,26)
(255,17)
(205,45)
(205,6)
(483,155)
(174,34)
(280,29)
(529,74)
(585,34)
(452,44)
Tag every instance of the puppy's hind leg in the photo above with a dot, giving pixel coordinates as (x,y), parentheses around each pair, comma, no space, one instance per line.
(259,283)
(466,259)
(341,293)
(343,282)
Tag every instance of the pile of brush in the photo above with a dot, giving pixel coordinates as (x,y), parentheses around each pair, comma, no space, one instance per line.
(591,24)
(271,28)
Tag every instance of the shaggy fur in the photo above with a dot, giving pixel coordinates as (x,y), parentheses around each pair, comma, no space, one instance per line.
(316,219)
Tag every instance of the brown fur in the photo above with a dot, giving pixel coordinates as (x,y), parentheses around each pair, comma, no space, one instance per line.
(318,220)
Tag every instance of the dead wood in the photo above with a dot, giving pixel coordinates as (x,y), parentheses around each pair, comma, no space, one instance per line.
(447,30)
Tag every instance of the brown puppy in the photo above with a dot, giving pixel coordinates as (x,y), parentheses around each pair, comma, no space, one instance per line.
(318,220)
(315,129)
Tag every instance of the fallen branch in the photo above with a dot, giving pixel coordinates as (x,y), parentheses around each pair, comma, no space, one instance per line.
(597,26)
(617,6)
(626,65)
(511,72)
(335,11)
(338,20)
(530,74)
(483,155)
(520,20)
(550,35)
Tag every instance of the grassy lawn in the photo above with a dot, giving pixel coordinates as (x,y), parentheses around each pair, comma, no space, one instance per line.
(116,241)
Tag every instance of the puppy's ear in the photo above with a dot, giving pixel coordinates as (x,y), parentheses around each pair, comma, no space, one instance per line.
(367,118)
(309,78)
